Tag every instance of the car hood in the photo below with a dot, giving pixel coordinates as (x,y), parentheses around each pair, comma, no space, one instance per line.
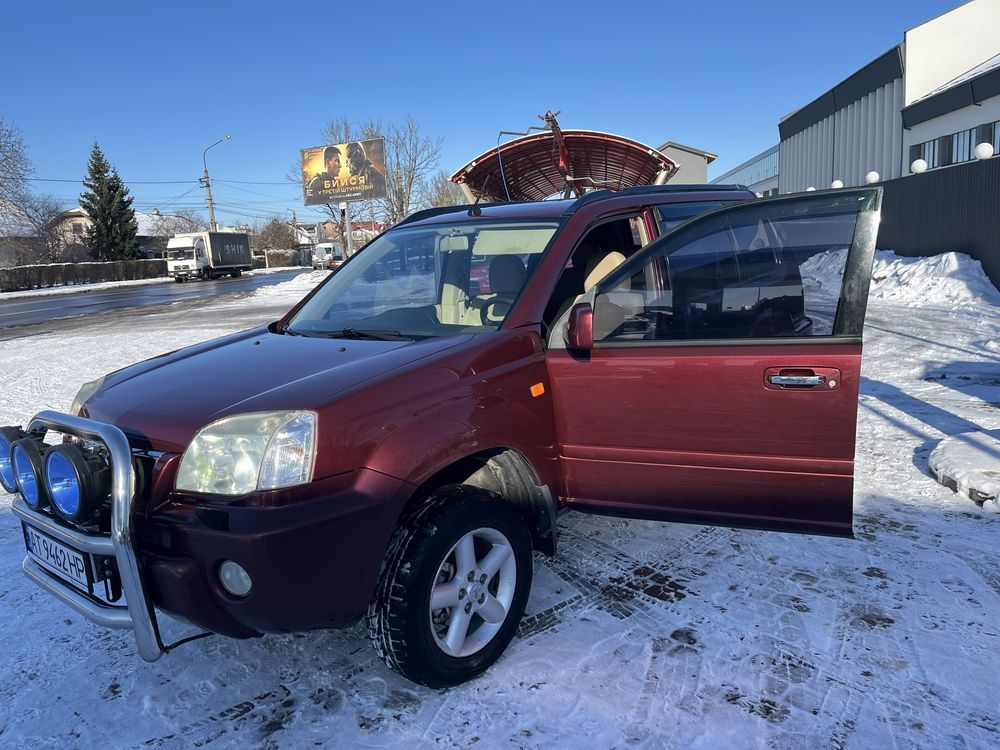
(161,403)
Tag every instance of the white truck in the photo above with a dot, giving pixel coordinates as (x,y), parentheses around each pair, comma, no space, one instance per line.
(327,255)
(208,255)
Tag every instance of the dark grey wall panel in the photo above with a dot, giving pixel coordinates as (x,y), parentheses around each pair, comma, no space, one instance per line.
(955,208)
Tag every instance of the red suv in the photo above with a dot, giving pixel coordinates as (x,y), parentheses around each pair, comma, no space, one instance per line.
(397,445)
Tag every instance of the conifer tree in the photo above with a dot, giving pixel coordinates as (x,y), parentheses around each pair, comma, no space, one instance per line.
(112,234)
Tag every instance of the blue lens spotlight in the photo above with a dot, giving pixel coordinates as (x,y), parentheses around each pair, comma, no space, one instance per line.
(63,483)
(8,436)
(78,482)
(26,461)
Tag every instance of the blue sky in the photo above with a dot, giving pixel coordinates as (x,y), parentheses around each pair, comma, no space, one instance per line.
(156,83)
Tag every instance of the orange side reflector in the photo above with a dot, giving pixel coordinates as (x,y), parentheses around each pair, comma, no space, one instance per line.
(537,389)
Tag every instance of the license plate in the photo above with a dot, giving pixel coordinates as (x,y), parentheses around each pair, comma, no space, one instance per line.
(64,561)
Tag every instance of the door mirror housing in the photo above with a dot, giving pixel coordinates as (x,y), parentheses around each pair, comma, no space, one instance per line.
(580,331)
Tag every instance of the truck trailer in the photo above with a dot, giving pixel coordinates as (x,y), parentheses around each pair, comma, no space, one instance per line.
(207,255)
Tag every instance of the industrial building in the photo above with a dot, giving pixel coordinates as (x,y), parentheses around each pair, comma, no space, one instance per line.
(931,99)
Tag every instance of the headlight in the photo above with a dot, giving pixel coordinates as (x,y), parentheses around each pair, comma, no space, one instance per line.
(86,391)
(247,452)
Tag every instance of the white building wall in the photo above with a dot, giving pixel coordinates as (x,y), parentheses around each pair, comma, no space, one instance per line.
(945,47)
(953,122)
(865,135)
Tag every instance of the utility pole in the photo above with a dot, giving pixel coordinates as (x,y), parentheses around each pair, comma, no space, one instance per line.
(347,229)
(208,185)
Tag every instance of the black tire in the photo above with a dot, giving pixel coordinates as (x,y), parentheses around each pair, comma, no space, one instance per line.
(235,274)
(399,615)
(179,279)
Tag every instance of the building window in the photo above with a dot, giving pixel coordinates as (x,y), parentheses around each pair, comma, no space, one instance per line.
(956,148)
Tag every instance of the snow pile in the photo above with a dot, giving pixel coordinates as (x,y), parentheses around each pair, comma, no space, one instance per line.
(969,463)
(293,289)
(944,280)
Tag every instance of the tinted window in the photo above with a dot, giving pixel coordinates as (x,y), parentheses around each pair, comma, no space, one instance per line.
(762,270)
(670,215)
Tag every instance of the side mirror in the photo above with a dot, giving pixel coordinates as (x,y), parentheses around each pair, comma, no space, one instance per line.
(580,332)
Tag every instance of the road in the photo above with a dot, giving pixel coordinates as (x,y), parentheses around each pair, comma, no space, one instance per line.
(22,311)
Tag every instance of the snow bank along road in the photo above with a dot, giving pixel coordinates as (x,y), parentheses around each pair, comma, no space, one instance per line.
(638,634)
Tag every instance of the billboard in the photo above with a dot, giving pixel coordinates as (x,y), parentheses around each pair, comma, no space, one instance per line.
(352,171)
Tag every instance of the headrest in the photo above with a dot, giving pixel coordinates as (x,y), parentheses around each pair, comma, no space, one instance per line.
(507,274)
(599,267)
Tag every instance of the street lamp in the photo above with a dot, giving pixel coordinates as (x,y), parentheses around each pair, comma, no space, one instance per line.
(208,184)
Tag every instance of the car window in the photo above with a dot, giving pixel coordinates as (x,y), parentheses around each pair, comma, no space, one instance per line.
(430,281)
(670,215)
(762,271)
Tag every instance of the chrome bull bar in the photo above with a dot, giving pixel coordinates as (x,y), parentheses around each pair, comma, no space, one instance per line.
(138,613)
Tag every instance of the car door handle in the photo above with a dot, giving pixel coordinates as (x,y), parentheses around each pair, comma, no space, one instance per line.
(800,378)
(797,379)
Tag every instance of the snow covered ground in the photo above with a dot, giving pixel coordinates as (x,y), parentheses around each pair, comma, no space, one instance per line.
(639,634)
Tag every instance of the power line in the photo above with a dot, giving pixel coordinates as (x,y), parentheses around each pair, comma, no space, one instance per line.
(127,182)
(286,183)
(245,182)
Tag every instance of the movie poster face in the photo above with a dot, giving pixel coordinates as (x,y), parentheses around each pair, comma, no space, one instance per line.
(352,171)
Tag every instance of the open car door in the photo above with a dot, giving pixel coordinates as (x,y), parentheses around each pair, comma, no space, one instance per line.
(720,381)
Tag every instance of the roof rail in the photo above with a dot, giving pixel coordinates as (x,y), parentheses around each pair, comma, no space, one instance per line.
(438,210)
(599,195)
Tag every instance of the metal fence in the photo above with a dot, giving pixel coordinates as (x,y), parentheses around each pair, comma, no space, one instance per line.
(952,209)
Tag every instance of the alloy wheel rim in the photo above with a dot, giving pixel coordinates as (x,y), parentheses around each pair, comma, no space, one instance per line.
(472,592)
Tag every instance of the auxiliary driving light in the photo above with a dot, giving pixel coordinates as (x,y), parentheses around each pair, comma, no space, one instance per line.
(234,578)
(78,482)
(26,457)
(8,436)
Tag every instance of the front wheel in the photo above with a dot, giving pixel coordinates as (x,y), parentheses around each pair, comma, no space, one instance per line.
(454,585)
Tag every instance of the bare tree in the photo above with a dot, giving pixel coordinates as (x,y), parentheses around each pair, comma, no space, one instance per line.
(28,232)
(276,235)
(193,219)
(441,191)
(410,160)
(15,167)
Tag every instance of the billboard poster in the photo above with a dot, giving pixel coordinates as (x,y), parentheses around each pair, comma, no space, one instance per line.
(352,171)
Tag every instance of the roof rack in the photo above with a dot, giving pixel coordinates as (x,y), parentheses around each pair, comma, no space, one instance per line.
(429,212)
(598,195)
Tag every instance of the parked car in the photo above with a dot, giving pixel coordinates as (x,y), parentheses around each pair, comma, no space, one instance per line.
(397,445)
(327,255)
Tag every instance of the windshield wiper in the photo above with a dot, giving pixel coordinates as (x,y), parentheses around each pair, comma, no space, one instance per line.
(366,333)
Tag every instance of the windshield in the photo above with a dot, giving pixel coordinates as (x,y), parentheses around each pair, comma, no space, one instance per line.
(180,253)
(429,281)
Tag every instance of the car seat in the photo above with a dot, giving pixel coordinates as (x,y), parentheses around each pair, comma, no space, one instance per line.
(507,276)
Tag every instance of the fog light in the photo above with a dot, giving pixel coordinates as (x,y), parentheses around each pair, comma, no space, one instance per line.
(8,436)
(26,461)
(234,578)
(78,483)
